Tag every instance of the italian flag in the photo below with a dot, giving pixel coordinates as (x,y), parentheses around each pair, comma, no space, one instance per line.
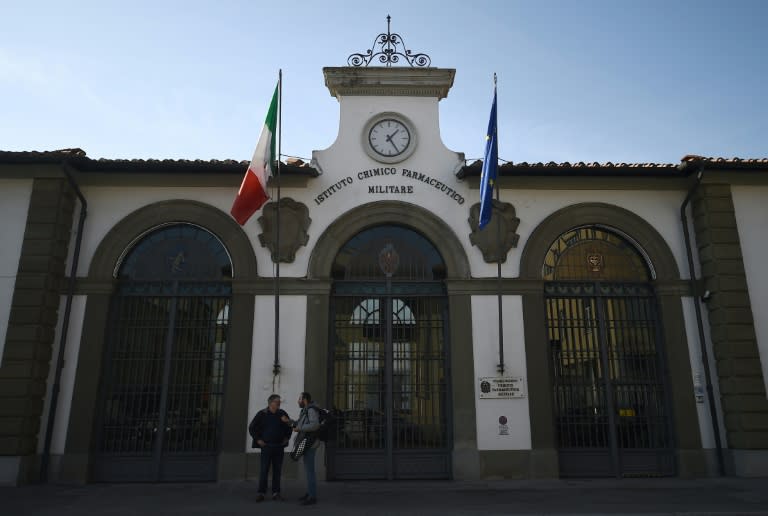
(253,190)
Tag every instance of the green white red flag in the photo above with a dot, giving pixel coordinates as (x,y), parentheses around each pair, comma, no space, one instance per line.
(253,190)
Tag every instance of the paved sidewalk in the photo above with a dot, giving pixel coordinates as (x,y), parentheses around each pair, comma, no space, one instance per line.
(727,496)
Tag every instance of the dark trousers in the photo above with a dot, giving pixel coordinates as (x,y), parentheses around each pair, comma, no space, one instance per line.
(271,455)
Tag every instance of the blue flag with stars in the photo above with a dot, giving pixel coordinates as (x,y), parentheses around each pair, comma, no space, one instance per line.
(490,168)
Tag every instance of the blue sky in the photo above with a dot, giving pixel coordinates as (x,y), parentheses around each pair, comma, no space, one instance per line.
(609,80)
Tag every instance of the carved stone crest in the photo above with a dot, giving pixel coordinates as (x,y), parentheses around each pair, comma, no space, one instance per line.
(294,223)
(504,219)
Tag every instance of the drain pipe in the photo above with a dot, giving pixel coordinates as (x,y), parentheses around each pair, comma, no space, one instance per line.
(45,459)
(700,324)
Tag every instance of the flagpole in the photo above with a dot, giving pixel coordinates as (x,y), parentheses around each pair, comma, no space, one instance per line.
(498,248)
(276,366)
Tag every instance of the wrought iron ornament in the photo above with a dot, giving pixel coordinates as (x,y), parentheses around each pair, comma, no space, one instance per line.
(389,53)
(389,260)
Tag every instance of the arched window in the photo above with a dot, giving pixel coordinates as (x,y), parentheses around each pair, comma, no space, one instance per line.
(609,386)
(175,252)
(163,387)
(594,253)
(370,255)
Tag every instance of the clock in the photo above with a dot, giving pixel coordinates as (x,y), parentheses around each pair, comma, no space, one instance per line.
(389,138)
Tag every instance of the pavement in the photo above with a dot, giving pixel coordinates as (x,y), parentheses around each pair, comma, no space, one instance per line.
(661,496)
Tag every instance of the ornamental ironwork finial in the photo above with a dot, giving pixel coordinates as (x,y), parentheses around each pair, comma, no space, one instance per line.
(389,52)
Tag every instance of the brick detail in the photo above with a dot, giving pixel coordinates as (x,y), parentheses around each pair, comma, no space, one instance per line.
(730,315)
(34,314)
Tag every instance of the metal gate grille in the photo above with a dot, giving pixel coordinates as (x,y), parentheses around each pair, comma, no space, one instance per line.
(164,382)
(388,358)
(609,380)
(389,385)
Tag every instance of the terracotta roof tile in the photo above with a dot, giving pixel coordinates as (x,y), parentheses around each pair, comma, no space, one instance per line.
(78,158)
(688,163)
(580,168)
(693,158)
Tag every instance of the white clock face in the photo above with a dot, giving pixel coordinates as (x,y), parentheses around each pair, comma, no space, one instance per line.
(389,137)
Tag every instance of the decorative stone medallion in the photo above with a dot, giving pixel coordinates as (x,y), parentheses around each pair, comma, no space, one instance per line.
(294,223)
(491,244)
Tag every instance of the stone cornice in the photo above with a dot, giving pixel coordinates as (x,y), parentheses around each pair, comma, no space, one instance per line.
(382,81)
(303,286)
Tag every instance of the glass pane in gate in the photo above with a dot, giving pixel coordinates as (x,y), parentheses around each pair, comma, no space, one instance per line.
(579,388)
(636,374)
(133,386)
(358,373)
(419,383)
(196,384)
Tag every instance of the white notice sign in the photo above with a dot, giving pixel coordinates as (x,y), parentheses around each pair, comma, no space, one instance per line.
(495,387)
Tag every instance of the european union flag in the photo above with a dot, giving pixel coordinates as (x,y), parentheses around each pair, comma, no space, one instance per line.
(490,168)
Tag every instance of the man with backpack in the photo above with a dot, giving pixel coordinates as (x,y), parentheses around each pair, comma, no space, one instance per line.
(269,431)
(308,423)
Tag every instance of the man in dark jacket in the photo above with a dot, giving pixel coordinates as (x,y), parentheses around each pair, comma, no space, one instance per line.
(271,434)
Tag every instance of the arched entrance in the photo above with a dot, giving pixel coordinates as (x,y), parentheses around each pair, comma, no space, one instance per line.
(388,356)
(610,395)
(162,389)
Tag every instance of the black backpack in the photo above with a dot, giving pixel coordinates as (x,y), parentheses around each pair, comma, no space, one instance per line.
(327,430)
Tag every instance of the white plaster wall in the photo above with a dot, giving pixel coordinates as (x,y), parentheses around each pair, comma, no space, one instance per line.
(660,208)
(697,371)
(67,385)
(14,205)
(290,383)
(108,205)
(751,206)
(485,341)
(346,158)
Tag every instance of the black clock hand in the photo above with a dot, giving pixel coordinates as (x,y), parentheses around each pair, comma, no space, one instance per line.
(389,139)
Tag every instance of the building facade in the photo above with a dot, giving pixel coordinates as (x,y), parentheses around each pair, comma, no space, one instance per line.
(138,318)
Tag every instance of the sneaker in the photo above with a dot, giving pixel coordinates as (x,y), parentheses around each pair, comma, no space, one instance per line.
(260,497)
(276,497)
(309,501)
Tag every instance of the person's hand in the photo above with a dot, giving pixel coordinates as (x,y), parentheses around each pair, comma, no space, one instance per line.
(295,429)
(261,443)
(285,419)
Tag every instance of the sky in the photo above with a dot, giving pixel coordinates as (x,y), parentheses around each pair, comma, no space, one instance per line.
(587,80)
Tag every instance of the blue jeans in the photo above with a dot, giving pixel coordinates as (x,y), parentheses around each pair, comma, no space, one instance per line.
(309,470)
(271,455)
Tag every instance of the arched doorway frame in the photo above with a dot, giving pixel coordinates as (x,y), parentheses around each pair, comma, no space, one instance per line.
(669,289)
(100,285)
(465,454)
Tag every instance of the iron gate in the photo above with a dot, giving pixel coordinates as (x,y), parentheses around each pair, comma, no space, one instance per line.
(164,384)
(388,359)
(610,395)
